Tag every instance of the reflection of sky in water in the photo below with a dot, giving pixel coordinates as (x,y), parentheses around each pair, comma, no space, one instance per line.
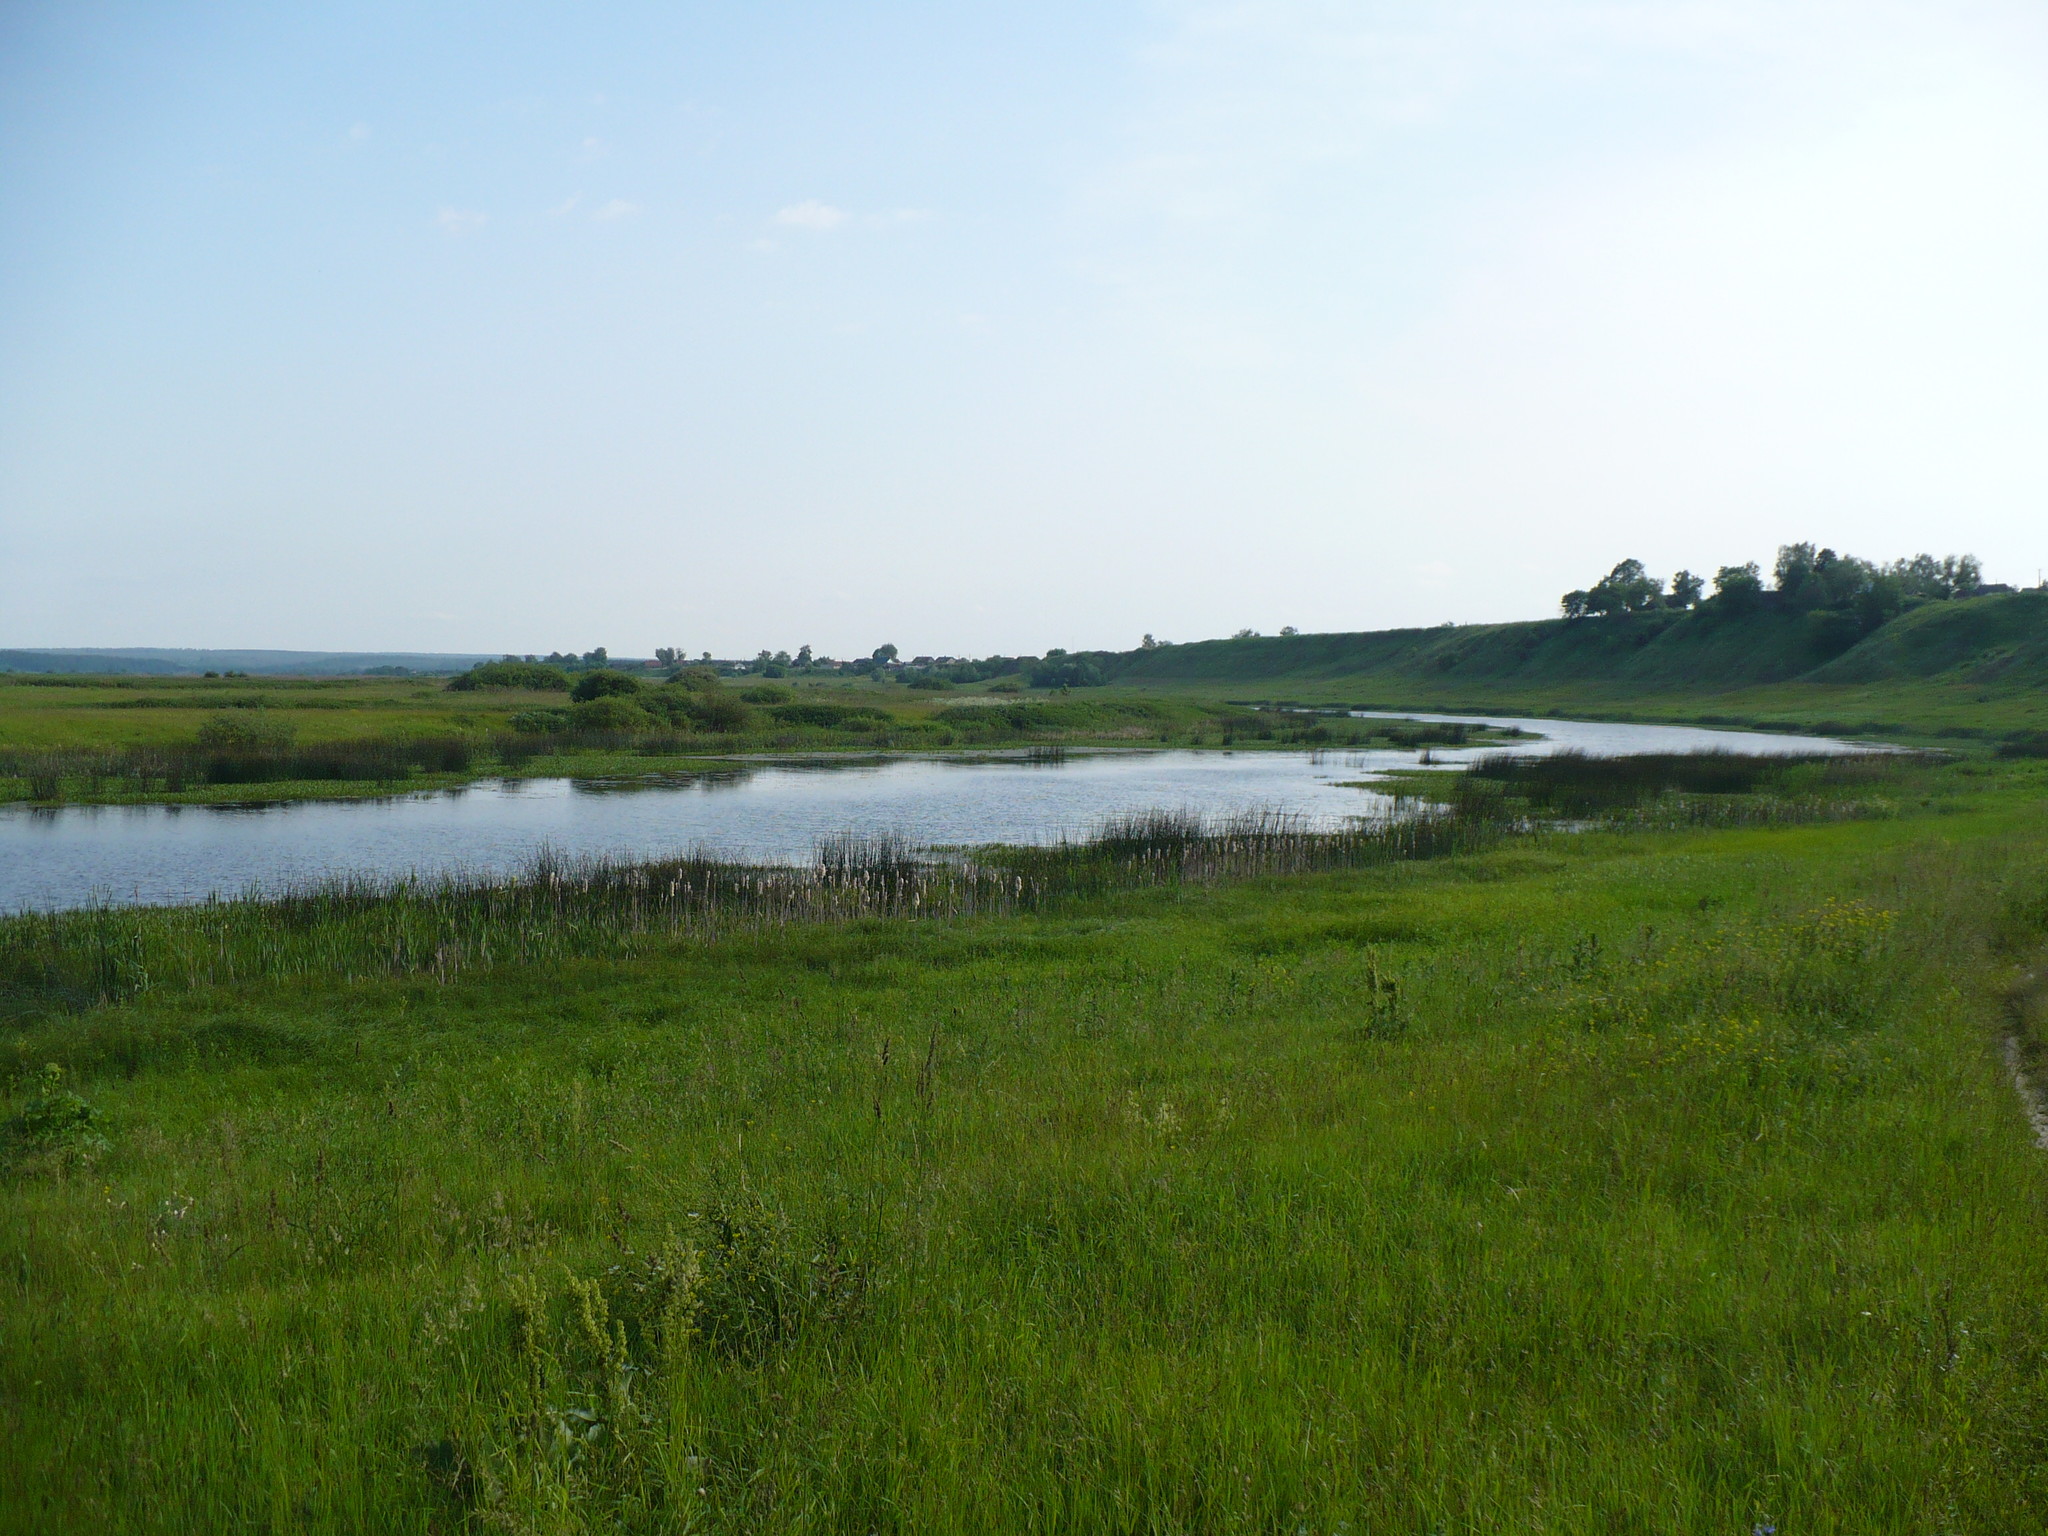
(760,811)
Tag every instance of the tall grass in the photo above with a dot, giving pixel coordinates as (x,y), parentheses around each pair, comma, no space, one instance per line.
(557,909)
(1593,1185)
(1168,847)
(53,774)
(1682,785)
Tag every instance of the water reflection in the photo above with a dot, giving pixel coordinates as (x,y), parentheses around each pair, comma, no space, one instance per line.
(761,810)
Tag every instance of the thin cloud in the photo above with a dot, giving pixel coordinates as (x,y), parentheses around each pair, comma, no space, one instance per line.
(567,206)
(811,214)
(617,208)
(461,221)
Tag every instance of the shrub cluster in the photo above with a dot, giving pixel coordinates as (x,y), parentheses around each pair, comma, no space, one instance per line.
(1062,671)
(512,674)
(614,702)
(604,683)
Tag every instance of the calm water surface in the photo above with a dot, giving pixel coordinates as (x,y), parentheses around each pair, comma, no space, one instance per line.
(760,811)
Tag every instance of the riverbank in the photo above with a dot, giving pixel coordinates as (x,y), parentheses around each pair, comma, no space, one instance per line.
(1660,1179)
(757,809)
(1905,714)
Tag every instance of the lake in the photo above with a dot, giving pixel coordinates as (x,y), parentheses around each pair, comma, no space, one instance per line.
(756,810)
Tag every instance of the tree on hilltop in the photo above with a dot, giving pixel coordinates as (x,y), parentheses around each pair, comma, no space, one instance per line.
(1625,589)
(1738,587)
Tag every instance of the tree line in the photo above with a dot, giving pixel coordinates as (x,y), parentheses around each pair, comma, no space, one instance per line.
(1843,597)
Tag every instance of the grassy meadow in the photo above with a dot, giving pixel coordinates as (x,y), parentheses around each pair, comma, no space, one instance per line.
(94,740)
(1662,1177)
(70,710)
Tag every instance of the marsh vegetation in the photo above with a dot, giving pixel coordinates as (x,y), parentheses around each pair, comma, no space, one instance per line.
(281,742)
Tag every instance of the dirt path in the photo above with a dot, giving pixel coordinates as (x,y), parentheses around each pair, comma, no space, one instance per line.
(2032,1097)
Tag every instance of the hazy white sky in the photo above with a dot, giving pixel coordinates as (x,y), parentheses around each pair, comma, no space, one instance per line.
(467,326)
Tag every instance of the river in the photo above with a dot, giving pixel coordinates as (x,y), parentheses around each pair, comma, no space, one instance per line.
(756,810)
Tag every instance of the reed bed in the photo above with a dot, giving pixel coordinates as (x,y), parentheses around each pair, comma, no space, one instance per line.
(1164,847)
(1780,785)
(351,928)
(55,774)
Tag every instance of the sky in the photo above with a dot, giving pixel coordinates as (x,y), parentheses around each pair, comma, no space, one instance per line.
(521,327)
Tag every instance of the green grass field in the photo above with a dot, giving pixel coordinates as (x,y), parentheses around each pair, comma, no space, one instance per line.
(86,711)
(98,740)
(1623,1181)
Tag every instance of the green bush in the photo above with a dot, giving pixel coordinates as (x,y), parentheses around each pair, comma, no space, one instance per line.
(717,710)
(696,679)
(57,1130)
(1067,672)
(766,693)
(605,684)
(610,714)
(512,674)
(711,709)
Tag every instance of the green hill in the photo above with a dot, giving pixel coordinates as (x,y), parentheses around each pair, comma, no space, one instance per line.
(1927,669)
(1984,640)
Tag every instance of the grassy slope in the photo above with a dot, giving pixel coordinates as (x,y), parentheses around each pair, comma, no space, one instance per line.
(1680,1191)
(1978,665)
